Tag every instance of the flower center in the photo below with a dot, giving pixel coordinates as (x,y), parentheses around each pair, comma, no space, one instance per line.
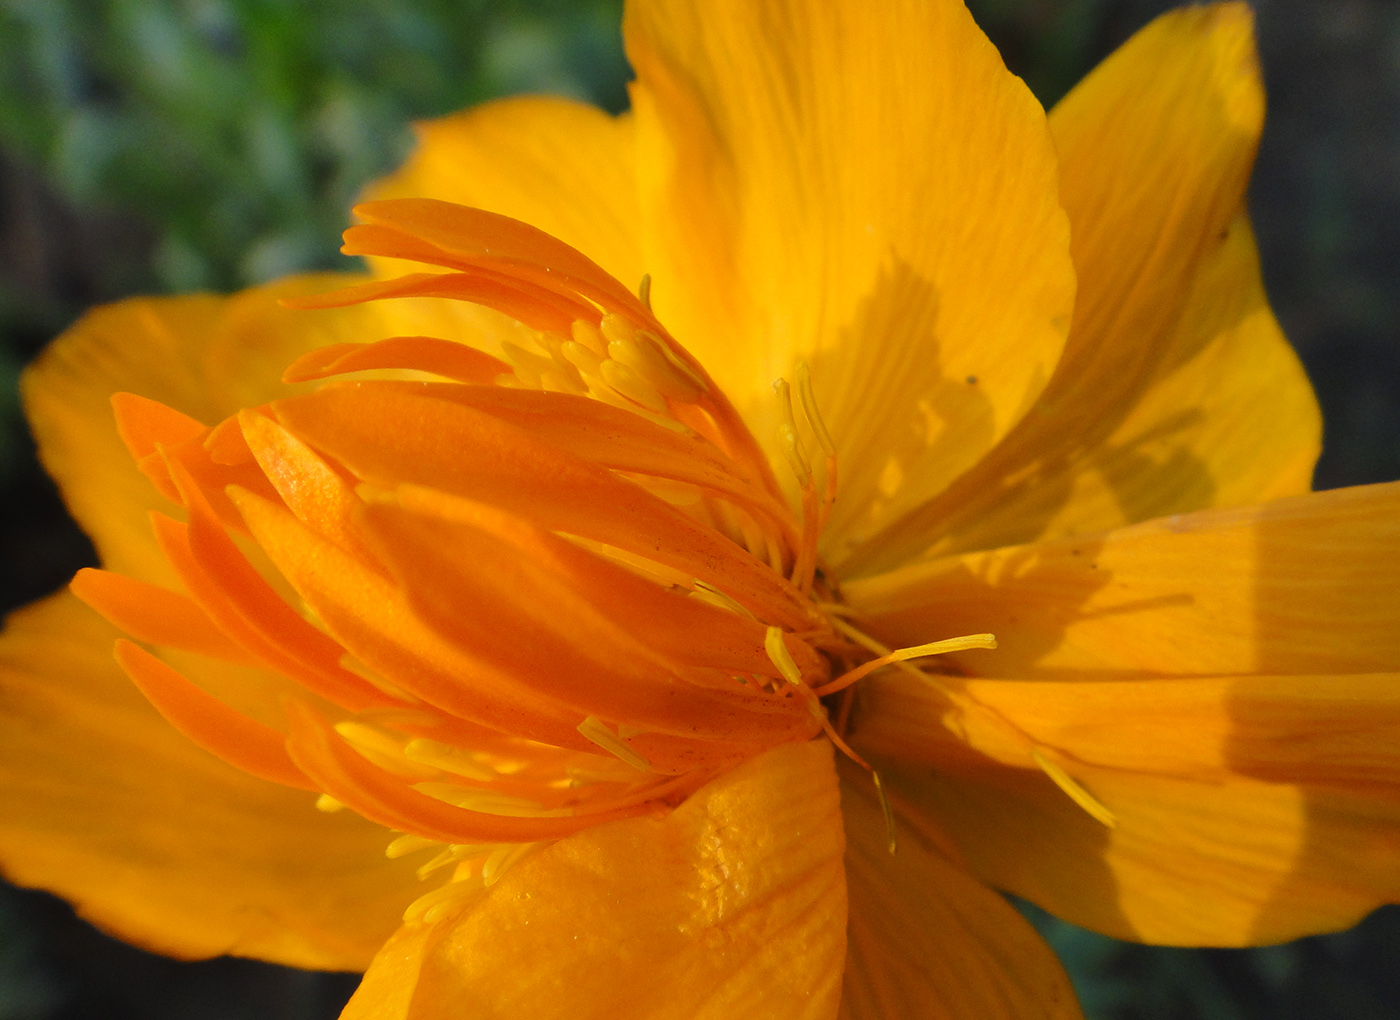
(488,596)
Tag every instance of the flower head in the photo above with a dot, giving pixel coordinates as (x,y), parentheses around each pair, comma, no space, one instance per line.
(540,582)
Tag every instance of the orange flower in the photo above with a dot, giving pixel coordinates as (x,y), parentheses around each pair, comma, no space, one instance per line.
(553,584)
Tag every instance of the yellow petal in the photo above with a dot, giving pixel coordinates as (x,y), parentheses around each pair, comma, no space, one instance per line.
(731,907)
(863,186)
(1177,390)
(1248,809)
(1300,585)
(153,839)
(929,939)
(559,165)
(204,356)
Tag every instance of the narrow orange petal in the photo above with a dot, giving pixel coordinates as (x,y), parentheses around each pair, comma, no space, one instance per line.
(242,742)
(513,470)
(156,615)
(425,353)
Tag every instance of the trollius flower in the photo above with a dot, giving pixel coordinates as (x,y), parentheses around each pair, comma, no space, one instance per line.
(513,559)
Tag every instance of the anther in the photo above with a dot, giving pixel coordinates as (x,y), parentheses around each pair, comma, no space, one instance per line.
(779,655)
(957,644)
(1071,788)
(809,408)
(587,334)
(787,435)
(593,729)
(408,844)
(644,291)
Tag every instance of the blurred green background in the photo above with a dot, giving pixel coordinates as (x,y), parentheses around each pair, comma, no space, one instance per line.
(170,145)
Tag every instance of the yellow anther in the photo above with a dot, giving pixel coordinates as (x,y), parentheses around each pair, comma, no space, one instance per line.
(593,729)
(787,435)
(328,804)
(616,329)
(448,759)
(708,593)
(809,408)
(644,291)
(556,381)
(778,653)
(383,748)
(500,861)
(485,801)
(957,644)
(442,860)
(646,355)
(581,357)
(627,382)
(1074,791)
(587,334)
(405,845)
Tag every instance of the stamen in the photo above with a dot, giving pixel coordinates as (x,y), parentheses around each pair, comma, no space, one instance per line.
(1074,791)
(651,359)
(1067,784)
(408,844)
(956,644)
(888,812)
(501,860)
(448,759)
(593,729)
(824,440)
(631,385)
(644,291)
(587,335)
(809,408)
(787,435)
(778,653)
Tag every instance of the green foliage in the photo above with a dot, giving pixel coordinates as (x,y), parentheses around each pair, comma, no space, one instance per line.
(241,130)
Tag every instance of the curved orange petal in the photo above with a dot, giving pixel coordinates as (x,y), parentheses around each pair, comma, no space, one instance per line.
(731,907)
(1248,809)
(155,840)
(206,357)
(557,164)
(926,938)
(1177,390)
(863,186)
(1300,585)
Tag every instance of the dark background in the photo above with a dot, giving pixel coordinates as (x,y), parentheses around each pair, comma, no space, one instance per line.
(170,145)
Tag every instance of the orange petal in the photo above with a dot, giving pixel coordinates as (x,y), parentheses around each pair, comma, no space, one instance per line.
(1177,390)
(529,618)
(929,939)
(370,616)
(1301,585)
(733,907)
(561,165)
(156,840)
(468,237)
(513,470)
(245,744)
(155,615)
(202,356)
(428,354)
(1248,810)
(929,289)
